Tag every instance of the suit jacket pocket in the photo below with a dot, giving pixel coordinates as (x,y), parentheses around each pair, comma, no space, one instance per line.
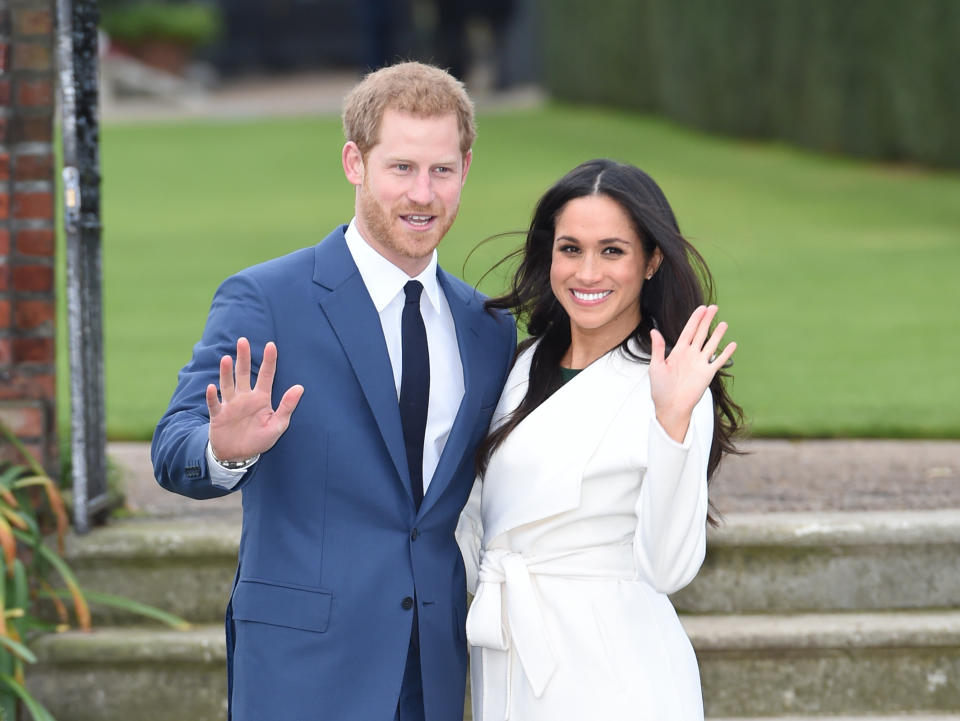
(300,607)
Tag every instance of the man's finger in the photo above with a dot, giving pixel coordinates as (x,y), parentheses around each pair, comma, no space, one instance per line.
(268,368)
(288,404)
(226,379)
(213,403)
(243,365)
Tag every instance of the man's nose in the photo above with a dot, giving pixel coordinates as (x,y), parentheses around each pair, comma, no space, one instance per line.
(421,192)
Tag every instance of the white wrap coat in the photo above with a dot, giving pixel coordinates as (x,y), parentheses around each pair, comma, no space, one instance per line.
(589,514)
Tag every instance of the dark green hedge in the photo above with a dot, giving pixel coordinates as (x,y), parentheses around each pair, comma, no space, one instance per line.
(873,78)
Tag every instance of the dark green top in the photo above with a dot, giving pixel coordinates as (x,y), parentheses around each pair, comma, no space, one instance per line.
(568,374)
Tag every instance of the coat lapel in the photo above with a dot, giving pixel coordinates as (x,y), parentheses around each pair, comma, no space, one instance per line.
(355,321)
(538,470)
(464,306)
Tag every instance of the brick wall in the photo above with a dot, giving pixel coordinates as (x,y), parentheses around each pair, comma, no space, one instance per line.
(27,310)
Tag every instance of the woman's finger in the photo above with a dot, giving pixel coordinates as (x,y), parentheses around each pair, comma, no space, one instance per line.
(700,336)
(722,359)
(686,335)
(713,342)
(657,347)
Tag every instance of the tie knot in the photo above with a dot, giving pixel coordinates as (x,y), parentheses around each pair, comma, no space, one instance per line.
(413,289)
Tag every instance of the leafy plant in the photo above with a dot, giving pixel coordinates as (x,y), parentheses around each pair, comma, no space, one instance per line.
(188,24)
(29,502)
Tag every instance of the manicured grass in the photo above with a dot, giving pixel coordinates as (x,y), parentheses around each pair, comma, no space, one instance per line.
(837,277)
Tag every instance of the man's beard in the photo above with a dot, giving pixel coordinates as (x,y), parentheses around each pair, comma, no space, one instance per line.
(383,227)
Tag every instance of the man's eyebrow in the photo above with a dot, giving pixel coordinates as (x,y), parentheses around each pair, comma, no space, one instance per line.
(408,161)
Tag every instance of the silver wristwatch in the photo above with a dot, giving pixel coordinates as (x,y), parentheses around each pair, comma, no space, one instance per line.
(234,465)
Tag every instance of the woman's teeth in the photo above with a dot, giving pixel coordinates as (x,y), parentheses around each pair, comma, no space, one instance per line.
(591,296)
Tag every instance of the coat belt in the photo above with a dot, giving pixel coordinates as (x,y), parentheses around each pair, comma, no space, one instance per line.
(518,623)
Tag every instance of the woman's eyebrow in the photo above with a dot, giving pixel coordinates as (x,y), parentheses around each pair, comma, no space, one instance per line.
(607,241)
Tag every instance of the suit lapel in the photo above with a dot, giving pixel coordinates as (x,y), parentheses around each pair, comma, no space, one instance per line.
(354,319)
(464,306)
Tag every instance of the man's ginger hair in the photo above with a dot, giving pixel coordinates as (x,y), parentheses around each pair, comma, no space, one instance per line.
(415,88)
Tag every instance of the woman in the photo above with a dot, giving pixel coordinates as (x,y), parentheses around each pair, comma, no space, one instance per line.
(591,502)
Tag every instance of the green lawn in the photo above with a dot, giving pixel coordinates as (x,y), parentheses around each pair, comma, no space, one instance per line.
(836,276)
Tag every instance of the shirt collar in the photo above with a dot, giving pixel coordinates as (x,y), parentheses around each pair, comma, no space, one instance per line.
(384,280)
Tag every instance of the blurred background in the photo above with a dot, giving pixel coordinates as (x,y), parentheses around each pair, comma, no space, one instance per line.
(811,153)
(491,44)
(809,149)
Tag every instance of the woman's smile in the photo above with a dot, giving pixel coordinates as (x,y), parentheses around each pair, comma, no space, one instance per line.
(590,297)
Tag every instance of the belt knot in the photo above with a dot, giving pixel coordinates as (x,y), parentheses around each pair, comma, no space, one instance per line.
(506,614)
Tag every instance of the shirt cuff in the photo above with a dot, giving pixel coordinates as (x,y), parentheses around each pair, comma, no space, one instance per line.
(222,477)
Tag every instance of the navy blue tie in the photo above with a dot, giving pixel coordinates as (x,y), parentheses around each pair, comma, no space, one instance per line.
(414,385)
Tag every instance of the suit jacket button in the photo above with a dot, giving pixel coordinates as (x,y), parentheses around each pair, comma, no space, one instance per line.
(407,603)
(414,534)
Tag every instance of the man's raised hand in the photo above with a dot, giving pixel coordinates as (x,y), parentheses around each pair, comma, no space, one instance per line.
(242,420)
(678,381)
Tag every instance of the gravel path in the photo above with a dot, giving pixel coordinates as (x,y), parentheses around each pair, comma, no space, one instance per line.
(839,475)
(774,475)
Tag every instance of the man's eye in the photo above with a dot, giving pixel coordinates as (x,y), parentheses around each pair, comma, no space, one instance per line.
(443,169)
(402,167)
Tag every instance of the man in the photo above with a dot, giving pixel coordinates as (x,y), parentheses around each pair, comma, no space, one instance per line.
(349,599)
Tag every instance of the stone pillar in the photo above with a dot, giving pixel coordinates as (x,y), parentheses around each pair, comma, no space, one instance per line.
(27,235)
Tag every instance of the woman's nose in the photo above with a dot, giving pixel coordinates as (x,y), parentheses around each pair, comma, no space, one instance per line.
(589,270)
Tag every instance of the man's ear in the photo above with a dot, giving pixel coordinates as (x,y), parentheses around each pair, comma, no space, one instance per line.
(467,159)
(352,160)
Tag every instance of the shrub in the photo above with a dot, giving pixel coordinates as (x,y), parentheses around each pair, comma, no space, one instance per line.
(861,78)
(190,25)
(27,567)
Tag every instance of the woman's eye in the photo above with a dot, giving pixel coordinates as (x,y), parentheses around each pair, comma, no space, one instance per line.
(613,250)
(568,249)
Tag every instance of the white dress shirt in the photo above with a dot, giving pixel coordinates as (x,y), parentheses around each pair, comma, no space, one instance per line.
(384,282)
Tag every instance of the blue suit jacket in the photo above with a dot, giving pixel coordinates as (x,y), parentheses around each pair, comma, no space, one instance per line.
(332,544)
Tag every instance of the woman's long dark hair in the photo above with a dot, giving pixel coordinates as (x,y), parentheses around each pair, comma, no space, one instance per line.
(681,283)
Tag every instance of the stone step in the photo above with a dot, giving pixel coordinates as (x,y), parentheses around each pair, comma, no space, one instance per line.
(794,562)
(132,674)
(830,663)
(184,566)
(770,563)
(850,665)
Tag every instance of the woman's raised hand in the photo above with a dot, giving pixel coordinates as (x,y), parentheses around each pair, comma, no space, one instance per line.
(678,381)
(242,420)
